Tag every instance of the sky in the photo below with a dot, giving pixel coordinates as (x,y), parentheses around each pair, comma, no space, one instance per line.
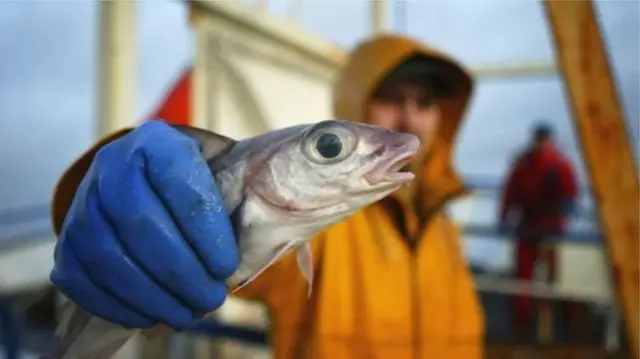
(48,81)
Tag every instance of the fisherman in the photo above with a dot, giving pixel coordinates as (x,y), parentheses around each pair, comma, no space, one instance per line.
(539,196)
(391,281)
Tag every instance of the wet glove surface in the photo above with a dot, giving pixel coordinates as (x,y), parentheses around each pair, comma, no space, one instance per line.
(147,239)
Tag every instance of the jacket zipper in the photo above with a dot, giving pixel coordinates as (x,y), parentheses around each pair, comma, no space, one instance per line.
(415,305)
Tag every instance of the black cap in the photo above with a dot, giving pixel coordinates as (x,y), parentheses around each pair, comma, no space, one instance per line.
(542,129)
(439,74)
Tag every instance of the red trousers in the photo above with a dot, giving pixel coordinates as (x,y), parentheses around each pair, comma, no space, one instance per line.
(528,253)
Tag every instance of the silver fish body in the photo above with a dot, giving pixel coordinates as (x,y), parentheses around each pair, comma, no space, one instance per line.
(281,189)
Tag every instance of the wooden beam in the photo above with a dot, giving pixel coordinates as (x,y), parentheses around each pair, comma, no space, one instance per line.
(379,23)
(605,143)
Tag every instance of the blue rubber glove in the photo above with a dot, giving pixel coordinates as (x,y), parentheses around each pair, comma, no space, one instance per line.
(147,239)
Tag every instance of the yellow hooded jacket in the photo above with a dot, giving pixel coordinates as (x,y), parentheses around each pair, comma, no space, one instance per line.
(374,295)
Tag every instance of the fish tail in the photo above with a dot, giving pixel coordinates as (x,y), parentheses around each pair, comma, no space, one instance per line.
(83,336)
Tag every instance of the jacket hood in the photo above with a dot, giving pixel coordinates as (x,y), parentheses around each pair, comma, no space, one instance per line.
(369,64)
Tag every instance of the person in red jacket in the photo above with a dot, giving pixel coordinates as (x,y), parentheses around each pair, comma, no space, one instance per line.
(539,195)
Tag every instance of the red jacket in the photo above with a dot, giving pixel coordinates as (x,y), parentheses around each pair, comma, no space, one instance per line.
(540,183)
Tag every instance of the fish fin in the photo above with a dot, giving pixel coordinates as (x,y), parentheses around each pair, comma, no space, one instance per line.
(305,263)
(211,144)
(279,254)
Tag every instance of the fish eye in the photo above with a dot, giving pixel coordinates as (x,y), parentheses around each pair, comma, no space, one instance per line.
(329,145)
(328,142)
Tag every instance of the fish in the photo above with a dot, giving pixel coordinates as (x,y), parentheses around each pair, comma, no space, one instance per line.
(281,188)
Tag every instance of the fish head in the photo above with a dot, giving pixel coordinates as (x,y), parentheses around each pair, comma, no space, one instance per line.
(332,168)
(286,185)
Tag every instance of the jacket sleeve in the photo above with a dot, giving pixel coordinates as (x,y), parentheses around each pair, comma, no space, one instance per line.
(568,187)
(568,182)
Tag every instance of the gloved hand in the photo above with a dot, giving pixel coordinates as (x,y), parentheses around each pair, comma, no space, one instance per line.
(147,238)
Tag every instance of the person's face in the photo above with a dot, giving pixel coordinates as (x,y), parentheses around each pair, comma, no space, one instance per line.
(405,106)
(541,141)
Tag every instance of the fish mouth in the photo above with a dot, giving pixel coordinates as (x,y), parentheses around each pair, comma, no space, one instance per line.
(395,170)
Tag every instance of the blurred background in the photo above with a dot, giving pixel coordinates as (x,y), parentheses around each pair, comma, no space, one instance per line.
(49,110)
